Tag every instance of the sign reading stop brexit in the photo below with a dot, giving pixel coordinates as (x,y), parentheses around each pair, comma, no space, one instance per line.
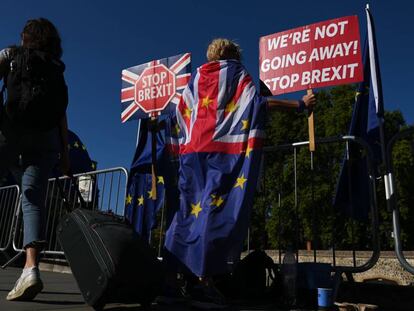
(318,55)
(155,87)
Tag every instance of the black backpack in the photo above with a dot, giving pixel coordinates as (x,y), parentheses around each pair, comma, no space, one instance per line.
(37,94)
(250,277)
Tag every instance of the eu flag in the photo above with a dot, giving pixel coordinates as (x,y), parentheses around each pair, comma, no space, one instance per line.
(221,120)
(142,205)
(79,157)
(352,195)
(80,161)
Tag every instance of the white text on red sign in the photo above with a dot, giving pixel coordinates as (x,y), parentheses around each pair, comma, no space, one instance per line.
(321,54)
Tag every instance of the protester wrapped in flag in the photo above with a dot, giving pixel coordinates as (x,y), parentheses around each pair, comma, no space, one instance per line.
(78,155)
(221,123)
(141,204)
(352,192)
(152,90)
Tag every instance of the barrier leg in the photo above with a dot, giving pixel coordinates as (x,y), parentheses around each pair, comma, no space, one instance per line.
(17,256)
(337,280)
(5,255)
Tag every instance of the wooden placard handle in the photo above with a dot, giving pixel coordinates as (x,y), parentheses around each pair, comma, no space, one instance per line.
(154,159)
(311,126)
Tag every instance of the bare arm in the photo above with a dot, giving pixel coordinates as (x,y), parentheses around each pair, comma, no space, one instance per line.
(284,104)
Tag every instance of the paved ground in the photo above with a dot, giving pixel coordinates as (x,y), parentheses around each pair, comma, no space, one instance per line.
(61,293)
(387,297)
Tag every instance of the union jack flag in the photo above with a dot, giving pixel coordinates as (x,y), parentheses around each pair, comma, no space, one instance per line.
(220,133)
(179,65)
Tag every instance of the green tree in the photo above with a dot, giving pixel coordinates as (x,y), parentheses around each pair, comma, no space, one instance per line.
(281,219)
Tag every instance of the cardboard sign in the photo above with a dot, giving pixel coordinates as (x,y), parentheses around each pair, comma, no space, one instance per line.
(155,87)
(318,55)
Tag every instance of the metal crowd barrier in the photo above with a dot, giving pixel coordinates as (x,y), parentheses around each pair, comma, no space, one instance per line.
(392,196)
(360,261)
(103,190)
(9,199)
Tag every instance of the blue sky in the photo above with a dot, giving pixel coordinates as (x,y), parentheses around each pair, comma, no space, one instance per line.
(100,38)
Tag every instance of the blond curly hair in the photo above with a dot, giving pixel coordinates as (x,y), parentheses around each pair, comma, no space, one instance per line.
(220,49)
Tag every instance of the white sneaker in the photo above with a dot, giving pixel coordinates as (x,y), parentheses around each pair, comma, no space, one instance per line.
(27,286)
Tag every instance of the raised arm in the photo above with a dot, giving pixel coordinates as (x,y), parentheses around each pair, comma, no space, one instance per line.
(307,101)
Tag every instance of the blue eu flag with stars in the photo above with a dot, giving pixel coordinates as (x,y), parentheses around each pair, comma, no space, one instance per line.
(142,205)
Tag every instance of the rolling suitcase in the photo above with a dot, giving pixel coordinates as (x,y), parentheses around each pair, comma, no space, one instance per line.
(109,261)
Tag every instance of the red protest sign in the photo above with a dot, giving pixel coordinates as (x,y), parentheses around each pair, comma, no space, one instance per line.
(318,55)
(155,88)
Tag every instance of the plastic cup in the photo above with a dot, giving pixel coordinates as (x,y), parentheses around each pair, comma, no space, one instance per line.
(325,299)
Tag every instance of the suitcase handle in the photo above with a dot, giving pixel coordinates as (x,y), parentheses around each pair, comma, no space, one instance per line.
(63,195)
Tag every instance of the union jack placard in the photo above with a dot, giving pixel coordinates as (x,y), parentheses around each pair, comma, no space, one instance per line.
(155,87)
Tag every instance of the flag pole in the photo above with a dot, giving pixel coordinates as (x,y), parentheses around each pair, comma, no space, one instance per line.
(154,129)
(379,103)
(138,132)
(377,87)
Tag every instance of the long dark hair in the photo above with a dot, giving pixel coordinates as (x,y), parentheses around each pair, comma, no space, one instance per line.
(41,34)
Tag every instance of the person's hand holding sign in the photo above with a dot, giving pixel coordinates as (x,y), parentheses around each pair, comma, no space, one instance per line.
(309,100)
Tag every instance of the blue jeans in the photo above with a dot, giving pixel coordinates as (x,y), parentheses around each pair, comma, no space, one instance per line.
(30,157)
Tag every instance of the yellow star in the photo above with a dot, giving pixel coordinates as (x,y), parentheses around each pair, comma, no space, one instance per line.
(160,179)
(196,209)
(150,195)
(83,147)
(240,182)
(245,125)
(76,144)
(206,102)
(187,112)
(177,129)
(141,200)
(128,199)
(231,106)
(248,150)
(217,201)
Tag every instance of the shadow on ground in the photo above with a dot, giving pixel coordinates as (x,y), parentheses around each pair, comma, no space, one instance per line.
(385,296)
